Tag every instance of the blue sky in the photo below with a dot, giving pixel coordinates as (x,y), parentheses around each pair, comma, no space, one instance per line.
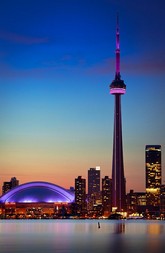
(57,59)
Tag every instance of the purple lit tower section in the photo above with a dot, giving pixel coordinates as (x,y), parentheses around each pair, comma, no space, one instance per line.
(118,88)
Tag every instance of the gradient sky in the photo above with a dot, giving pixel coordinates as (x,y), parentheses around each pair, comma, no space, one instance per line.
(57,59)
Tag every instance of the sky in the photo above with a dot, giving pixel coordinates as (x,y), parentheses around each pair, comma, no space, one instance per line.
(57,60)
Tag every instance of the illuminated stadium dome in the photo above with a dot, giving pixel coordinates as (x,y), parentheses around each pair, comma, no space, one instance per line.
(38,192)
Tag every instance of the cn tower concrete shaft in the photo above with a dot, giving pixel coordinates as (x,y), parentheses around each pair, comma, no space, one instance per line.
(118,180)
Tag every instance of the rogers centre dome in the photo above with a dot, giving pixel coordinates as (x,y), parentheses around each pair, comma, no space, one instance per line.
(38,192)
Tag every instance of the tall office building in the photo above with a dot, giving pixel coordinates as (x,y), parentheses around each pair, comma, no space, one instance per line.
(94,194)
(107,194)
(118,88)
(153,174)
(94,180)
(80,194)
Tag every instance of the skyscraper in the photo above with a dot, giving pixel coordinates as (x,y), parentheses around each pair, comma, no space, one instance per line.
(118,88)
(80,194)
(153,174)
(94,194)
(94,180)
(106,194)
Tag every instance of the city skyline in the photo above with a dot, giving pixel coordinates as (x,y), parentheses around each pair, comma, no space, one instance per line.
(57,59)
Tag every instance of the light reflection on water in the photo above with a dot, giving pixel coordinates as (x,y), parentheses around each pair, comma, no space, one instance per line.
(81,236)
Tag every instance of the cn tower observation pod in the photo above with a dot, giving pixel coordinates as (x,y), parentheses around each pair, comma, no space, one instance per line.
(117,87)
(38,192)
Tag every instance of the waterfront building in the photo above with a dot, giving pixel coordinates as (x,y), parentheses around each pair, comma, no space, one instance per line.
(118,88)
(80,195)
(153,174)
(37,200)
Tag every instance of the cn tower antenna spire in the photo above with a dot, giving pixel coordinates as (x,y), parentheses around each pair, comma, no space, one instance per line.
(117,21)
(117,76)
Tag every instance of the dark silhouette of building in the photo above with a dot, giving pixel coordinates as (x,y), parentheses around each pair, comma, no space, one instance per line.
(107,195)
(153,174)
(7,186)
(118,88)
(80,195)
(93,180)
(94,194)
(14,182)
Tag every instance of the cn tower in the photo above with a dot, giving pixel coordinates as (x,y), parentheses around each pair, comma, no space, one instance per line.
(118,88)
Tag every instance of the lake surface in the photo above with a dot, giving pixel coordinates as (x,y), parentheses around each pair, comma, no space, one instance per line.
(82,236)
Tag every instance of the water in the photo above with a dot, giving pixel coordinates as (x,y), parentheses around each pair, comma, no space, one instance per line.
(82,236)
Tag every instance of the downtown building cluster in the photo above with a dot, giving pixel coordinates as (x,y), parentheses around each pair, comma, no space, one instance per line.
(93,196)
(99,202)
(98,199)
